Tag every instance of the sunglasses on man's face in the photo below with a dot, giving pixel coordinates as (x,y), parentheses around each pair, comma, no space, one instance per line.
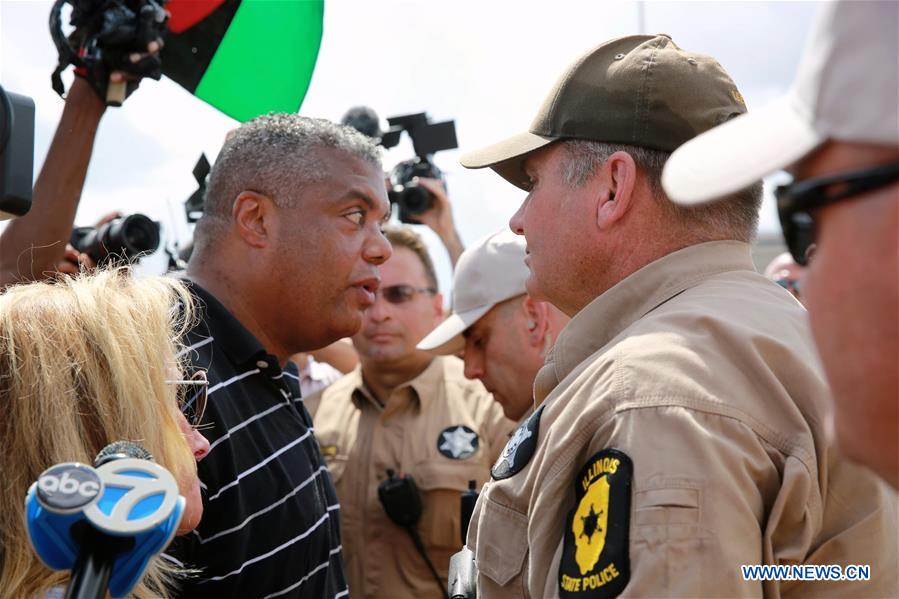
(797,201)
(192,395)
(400,294)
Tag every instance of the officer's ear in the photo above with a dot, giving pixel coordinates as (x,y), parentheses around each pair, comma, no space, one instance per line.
(536,320)
(615,187)
(252,215)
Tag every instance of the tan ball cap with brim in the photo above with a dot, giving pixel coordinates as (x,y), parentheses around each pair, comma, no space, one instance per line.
(639,90)
(488,273)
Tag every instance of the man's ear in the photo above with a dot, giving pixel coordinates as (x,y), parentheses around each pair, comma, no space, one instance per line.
(252,213)
(536,320)
(618,176)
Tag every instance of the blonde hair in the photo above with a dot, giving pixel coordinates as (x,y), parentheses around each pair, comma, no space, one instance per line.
(83,363)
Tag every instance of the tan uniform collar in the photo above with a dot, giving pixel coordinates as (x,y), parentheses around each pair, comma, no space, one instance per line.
(419,390)
(632,298)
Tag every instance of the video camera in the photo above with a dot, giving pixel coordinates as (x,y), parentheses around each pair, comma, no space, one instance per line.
(120,239)
(427,139)
(16,153)
(106,33)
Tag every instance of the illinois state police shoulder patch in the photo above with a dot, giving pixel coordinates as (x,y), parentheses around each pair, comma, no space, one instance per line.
(595,553)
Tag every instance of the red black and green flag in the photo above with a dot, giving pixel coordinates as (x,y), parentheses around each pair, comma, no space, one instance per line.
(244,57)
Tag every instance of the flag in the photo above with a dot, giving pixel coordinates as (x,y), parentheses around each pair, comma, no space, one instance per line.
(244,57)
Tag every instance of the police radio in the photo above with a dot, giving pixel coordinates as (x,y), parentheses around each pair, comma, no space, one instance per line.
(103,523)
(401,500)
(466,508)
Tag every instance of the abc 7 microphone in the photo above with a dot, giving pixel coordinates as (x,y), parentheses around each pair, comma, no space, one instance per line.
(104,523)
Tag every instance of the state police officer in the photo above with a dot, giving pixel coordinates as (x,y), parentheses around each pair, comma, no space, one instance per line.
(681,432)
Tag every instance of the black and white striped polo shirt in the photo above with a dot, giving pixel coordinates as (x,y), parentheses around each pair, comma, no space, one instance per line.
(271,523)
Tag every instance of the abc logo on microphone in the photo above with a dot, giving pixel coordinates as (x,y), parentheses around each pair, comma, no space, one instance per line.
(123,498)
(67,488)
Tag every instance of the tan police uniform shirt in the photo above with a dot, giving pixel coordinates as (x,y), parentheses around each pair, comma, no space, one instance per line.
(683,435)
(439,427)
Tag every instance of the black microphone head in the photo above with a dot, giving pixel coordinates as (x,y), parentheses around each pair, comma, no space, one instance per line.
(119,450)
(364,120)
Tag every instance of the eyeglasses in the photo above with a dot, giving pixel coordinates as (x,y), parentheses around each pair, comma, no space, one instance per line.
(400,294)
(797,201)
(192,395)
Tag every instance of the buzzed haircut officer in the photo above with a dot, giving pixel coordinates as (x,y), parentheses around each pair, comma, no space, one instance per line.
(503,332)
(682,428)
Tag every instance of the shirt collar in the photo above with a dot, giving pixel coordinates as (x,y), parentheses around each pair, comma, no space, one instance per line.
(631,299)
(420,389)
(239,344)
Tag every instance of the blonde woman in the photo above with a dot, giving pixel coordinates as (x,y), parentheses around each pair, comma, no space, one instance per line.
(85,361)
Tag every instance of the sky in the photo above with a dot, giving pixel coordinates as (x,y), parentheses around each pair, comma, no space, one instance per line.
(487,65)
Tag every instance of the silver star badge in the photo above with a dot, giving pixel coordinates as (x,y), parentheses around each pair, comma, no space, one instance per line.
(458,442)
(521,434)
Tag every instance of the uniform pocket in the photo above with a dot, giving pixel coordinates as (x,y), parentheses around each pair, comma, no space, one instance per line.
(502,542)
(441,484)
(668,541)
(678,506)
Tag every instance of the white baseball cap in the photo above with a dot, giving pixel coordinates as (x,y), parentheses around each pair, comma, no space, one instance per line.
(489,272)
(847,89)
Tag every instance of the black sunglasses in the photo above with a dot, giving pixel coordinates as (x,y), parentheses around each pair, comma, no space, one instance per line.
(797,201)
(400,294)
(192,395)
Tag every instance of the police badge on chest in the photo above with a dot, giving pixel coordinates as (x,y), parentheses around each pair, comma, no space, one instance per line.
(518,451)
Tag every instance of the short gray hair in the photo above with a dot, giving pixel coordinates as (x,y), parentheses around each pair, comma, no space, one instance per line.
(734,218)
(275,155)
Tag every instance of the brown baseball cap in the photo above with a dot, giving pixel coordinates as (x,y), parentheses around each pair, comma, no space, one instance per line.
(639,90)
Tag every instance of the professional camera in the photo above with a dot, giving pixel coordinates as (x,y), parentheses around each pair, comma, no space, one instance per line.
(16,153)
(405,191)
(122,238)
(106,33)
(427,138)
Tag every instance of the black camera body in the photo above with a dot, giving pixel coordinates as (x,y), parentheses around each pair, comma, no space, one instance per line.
(106,33)
(427,139)
(16,153)
(124,238)
(410,197)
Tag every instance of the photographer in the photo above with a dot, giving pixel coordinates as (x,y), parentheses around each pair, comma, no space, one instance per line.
(33,246)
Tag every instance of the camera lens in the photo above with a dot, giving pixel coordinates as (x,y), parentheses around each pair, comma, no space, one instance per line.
(417,199)
(140,234)
(120,238)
